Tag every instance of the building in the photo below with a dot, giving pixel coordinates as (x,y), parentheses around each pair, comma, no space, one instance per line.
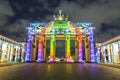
(82,33)
(11,51)
(109,51)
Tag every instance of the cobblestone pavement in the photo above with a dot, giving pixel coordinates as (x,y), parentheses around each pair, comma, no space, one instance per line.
(59,71)
(10,64)
(110,65)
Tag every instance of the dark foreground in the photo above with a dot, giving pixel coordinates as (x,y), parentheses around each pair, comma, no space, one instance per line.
(59,71)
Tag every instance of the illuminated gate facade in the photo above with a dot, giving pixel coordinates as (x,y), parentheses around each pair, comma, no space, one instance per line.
(60,29)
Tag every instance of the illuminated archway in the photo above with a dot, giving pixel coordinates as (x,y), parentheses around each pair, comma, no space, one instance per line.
(60,29)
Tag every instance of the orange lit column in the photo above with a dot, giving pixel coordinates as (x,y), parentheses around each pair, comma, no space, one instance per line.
(40,50)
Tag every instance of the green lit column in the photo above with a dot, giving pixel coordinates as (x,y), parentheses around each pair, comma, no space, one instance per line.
(68,47)
(52,48)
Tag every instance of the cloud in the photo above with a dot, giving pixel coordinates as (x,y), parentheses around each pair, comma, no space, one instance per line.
(97,12)
(14,30)
(5,11)
(34,10)
(15,15)
(5,8)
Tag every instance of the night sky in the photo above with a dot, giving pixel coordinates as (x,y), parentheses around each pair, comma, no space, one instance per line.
(16,14)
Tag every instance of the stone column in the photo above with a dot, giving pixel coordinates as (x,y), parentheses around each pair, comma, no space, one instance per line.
(40,49)
(29,46)
(34,48)
(80,54)
(76,55)
(116,51)
(104,53)
(16,54)
(11,53)
(111,53)
(68,47)
(44,47)
(119,49)
(92,54)
(4,50)
(114,55)
(87,50)
(0,49)
(108,50)
(52,48)
(98,54)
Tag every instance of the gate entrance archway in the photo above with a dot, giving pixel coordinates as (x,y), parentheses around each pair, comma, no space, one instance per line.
(60,29)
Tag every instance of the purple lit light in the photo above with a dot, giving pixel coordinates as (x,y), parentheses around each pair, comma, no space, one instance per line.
(80,56)
(51,60)
(68,60)
(92,55)
(28,52)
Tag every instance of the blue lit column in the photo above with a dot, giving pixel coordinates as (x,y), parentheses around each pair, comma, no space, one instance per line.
(92,55)
(29,44)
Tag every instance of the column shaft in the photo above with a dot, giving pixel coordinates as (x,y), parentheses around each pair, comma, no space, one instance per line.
(40,49)
(108,50)
(28,52)
(119,49)
(68,47)
(80,54)
(52,47)
(92,55)
(114,55)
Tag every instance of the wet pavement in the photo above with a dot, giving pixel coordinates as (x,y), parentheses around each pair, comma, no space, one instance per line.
(10,64)
(59,71)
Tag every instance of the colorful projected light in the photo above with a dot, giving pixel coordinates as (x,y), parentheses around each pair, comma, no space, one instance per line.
(59,29)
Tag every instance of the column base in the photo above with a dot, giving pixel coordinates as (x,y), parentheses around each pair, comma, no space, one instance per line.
(93,61)
(81,61)
(39,61)
(27,61)
(51,60)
